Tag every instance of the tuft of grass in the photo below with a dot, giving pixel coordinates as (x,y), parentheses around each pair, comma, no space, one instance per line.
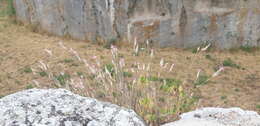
(167,84)
(27,70)
(43,74)
(9,10)
(209,57)
(74,65)
(110,42)
(202,80)
(127,74)
(17,82)
(230,63)
(246,48)
(67,61)
(223,97)
(194,50)
(29,86)
(62,78)
(170,84)
(110,68)
(156,97)
(237,90)
(249,49)
(80,74)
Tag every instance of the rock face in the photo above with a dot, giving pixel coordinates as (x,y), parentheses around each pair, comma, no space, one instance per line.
(218,117)
(179,23)
(58,107)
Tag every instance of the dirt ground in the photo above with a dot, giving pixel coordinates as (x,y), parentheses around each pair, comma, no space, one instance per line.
(20,48)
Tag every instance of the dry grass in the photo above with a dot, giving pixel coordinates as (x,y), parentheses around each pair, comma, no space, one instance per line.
(153,86)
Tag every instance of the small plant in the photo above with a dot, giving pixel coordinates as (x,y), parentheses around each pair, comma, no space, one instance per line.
(9,10)
(246,48)
(62,78)
(209,57)
(110,42)
(29,86)
(237,90)
(143,80)
(258,106)
(194,51)
(67,61)
(110,68)
(17,82)
(170,84)
(154,78)
(80,74)
(223,97)
(230,63)
(127,74)
(74,65)
(202,80)
(43,74)
(27,70)
(249,49)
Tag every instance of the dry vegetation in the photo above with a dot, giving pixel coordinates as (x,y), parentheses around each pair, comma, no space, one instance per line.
(157,83)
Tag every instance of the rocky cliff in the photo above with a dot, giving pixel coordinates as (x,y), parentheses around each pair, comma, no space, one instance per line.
(179,23)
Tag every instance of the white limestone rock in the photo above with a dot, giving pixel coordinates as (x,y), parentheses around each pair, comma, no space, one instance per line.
(218,117)
(59,107)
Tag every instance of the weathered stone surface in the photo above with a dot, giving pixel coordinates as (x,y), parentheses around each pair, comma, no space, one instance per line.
(218,117)
(179,23)
(58,107)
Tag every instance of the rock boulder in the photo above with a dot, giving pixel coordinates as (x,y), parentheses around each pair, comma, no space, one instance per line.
(58,107)
(218,117)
